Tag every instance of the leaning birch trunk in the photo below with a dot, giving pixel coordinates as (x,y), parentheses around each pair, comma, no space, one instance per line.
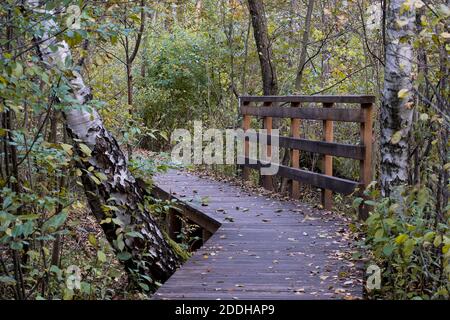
(113,193)
(397,106)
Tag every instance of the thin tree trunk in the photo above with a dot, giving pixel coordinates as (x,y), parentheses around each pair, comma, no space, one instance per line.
(198,12)
(397,106)
(115,196)
(303,53)
(244,66)
(268,70)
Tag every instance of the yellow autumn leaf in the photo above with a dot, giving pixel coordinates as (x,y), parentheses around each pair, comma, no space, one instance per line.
(401,238)
(396,137)
(85,149)
(67,148)
(403,93)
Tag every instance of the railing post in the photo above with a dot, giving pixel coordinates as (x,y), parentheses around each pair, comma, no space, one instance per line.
(206,235)
(267,180)
(295,154)
(174,224)
(327,195)
(365,175)
(245,126)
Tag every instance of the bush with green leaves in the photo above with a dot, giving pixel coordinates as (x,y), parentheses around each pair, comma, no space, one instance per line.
(410,242)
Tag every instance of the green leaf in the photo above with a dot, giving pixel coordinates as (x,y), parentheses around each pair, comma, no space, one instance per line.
(97,181)
(408,247)
(15,245)
(101,176)
(18,70)
(92,240)
(144,286)
(54,222)
(370,203)
(357,202)
(401,238)
(67,148)
(437,240)
(134,234)
(379,234)
(68,294)
(429,236)
(85,149)
(29,217)
(388,249)
(396,137)
(124,256)
(101,256)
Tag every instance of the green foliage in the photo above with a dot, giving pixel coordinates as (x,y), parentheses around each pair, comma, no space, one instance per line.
(181,83)
(410,241)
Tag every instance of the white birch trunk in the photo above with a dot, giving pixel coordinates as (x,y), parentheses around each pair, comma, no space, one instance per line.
(151,255)
(397,106)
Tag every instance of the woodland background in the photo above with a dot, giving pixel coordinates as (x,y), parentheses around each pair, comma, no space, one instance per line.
(154,66)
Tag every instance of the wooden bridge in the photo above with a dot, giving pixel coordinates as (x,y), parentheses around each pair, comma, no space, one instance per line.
(256,246)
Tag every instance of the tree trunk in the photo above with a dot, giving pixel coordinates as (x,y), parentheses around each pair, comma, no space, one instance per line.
(302,61)
(259,21)
(198,12)
(397,106)
(116,198)
(129,85)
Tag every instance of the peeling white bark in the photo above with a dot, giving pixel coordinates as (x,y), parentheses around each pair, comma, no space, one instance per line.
(397,112)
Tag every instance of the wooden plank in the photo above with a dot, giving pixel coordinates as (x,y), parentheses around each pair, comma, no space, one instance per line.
(267,179)
(173,224)
(263,253)
(330,148)
(319,180)
(360,99)
(245,126)
(335,114)
(295,154)
(366,162)
(327,194)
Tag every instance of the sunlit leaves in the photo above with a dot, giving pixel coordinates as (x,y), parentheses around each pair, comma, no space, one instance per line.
(403,93)
(396,137)
(85,149)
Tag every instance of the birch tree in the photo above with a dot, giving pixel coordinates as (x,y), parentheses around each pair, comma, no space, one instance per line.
(115,197)
(397,105)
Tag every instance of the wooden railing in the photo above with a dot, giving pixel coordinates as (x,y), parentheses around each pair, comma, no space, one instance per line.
(291,107)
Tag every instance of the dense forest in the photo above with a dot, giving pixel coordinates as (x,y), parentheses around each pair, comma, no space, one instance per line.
(91,92)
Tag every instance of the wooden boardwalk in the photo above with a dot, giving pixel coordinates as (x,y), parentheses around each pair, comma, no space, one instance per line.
(263,248)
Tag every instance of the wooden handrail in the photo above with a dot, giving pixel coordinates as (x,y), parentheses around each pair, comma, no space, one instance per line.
(271,108)
(349,151)
(335,114)
(358,99)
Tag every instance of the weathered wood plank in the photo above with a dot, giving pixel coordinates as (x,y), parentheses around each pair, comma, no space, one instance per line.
(327,194)
(356,152)
(313,99)
(337,114)
(295,154)
(319,180)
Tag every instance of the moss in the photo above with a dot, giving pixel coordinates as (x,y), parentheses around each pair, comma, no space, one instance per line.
(180,252)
